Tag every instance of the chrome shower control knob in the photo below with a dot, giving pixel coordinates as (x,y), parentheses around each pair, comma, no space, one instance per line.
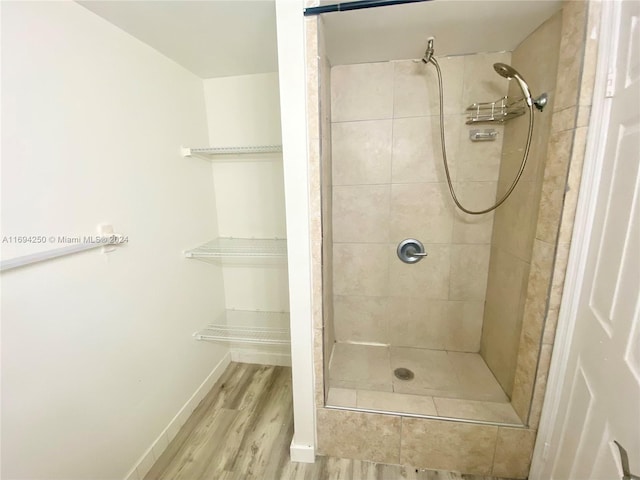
(411,250)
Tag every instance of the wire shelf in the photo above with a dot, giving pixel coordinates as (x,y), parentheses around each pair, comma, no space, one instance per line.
(273,328)
(240,247)
(212,152)
(499,111)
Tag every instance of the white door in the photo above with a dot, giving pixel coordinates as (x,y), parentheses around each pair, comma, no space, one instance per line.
(599,394)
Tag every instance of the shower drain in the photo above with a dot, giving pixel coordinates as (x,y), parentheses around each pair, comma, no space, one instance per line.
(403,374)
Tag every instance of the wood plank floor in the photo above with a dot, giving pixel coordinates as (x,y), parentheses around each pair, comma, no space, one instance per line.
(242,430)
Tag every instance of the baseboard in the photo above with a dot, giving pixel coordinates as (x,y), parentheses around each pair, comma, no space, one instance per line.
(262,358)
(302,453)
(146,461)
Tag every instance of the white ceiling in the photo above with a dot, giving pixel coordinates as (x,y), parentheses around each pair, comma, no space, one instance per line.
(217,38)
(459,27)
(210,38)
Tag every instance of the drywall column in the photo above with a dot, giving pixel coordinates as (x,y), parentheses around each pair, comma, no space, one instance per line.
(291,63)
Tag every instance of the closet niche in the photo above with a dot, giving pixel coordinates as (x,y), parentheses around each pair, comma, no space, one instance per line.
(245,152)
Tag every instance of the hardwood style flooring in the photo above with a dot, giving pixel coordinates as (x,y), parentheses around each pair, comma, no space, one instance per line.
(242,430)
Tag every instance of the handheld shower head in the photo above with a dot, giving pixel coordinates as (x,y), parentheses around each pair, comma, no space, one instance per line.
(507,71)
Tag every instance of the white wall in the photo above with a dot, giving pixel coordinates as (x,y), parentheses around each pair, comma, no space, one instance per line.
(97,353)
(244,111)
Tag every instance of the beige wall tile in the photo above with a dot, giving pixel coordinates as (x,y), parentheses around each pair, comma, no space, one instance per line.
(420,211)
(571,53)
(573,186)
(442,445)
(514,448)
(564,119)
(540,386)
(478,161)
(468,277)
(362,92)
(360,269)
(429,278)
(584,114)
(365,436)
(587,80)
(503,315)
(418,322)
(481,83)
(551,322)
(361,152)
(524,379)
(476,380)
(416,87)
(515,221)
(362,319)
(361,213)
(554,184)
(396,402)
(464,326)
(476,410)
(474,229)
(536,58)
(417,151)
(559,272)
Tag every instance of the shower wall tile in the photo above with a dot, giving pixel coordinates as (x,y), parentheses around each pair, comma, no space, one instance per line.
(514,448)
(417,155)
(468,274)
(435,324)
(540,386)
(443,445)
(400,149)
(420,211)
(465,326)
(361,319)
(361,152)
(429,278)
(360,269)
(554,178)
(416,87)
(353,218)
(476,380)
(366,436)
(481,84)
(473,229)
(419,322)
(564,119)
(516,220)
(503,315)
(571,53)
(478,161)
(362,92)
(537,56)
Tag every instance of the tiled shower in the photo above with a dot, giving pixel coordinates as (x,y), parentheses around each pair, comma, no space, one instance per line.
(473,320)
(388,185)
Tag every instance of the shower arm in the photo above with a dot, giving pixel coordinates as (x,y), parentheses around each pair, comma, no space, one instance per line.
(444,150)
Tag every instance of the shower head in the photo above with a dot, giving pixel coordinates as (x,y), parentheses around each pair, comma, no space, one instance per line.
(508,72)
(504,70)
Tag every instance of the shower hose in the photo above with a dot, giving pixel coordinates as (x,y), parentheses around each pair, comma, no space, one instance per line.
(446,163)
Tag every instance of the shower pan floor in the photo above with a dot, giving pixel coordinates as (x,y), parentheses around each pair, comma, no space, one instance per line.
(445,384)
